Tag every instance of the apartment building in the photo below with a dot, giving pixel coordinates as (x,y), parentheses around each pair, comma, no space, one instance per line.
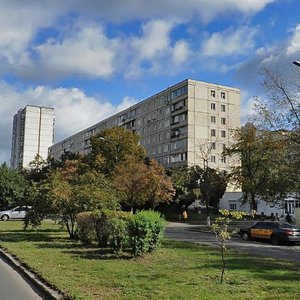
(188,123)
(33,133)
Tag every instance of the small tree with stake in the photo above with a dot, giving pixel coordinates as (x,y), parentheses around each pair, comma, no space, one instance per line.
(220,228)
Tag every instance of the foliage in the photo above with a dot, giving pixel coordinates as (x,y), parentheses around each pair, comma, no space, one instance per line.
(139,184)
(112,147)
(261,154)
(86,229)
(159,186)
(211,183)
(181,180)
(146,230)
(106,227)
(67,193)
(130,181)
(12,187)
(279,111)
(220,228)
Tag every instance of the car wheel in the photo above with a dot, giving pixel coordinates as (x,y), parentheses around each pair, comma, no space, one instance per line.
(5,217)
(245,236)
(275,240)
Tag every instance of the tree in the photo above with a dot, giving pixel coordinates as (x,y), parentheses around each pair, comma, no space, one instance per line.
(130,180)
(260,154)
(113,146)
(223,234)
(159,186)
(181,180)
(12,187)
(279,111)
(67,193)
(212,184)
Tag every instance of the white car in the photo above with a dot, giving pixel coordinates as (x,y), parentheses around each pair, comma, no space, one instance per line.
(18,212)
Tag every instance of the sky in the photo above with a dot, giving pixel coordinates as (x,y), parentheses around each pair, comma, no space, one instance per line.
(89,59)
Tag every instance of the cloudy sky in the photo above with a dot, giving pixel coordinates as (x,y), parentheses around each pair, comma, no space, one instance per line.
(89,59)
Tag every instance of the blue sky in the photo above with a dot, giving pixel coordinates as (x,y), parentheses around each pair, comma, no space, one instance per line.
(89,59)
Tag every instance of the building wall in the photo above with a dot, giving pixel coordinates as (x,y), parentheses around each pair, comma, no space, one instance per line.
(174,124)
(33,132)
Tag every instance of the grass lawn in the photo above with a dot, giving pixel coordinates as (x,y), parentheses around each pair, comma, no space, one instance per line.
(176,271)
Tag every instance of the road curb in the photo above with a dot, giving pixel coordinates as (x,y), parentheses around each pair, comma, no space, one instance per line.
(31,276)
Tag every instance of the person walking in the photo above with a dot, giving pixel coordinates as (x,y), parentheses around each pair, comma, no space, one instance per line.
(288,218)
(184,216)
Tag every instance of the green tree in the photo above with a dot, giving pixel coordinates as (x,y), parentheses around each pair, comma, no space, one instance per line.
(67,193)
(212,185)
(181,180)
(12,187)
(279,111)
(113,146)
(223,233)
(260,154)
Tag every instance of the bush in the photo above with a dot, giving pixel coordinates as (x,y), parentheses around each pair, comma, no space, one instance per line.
(103,225)
(118,233)
(86,230)
(146,230)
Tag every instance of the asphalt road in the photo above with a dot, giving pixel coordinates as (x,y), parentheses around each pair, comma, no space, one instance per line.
(186,232)
(14,287)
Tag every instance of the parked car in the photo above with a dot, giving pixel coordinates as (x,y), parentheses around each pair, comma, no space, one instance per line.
(18,212)
(271,230)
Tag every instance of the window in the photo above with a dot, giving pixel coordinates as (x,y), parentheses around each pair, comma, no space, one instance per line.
(223,107)
(213,106)
(213,132)
(222,95)
(213,94)
(213,158)
(212,119)
(223,121)
(232,206)
(213,145)
(179,92)
(223,147)
(223,133)
(223,159)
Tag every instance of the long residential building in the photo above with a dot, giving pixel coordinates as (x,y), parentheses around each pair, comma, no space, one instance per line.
(188,123)
(33,133)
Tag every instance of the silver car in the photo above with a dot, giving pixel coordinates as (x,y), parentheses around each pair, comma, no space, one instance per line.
(18,212)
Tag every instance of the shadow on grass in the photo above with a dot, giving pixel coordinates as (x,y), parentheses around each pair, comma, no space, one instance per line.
(101,254)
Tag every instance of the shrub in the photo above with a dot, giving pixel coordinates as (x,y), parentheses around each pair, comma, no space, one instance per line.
(103,225)
(146,230)
(118,233)
(86,230)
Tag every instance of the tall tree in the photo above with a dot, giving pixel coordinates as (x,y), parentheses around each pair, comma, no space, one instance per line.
(260,154)
(159,185)
(279,111)
(181,180)
(113,146)
(12,187)
(212,184)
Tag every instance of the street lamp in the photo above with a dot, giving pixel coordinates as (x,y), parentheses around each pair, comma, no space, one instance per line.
(296,63)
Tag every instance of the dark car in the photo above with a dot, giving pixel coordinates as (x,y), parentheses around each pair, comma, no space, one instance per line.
(275,231)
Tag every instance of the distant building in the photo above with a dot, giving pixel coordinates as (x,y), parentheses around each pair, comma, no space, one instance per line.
(33,133)
(188,123)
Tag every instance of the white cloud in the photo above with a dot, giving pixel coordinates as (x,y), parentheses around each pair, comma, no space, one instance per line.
(74,110)
(294,46)
(87,51)
(229,42)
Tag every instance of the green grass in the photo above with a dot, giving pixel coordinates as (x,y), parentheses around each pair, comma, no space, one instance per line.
(177,271)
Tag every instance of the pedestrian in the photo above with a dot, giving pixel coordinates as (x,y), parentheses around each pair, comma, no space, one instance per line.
(184,215)
(288,218)
(272,217)
(277,217)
